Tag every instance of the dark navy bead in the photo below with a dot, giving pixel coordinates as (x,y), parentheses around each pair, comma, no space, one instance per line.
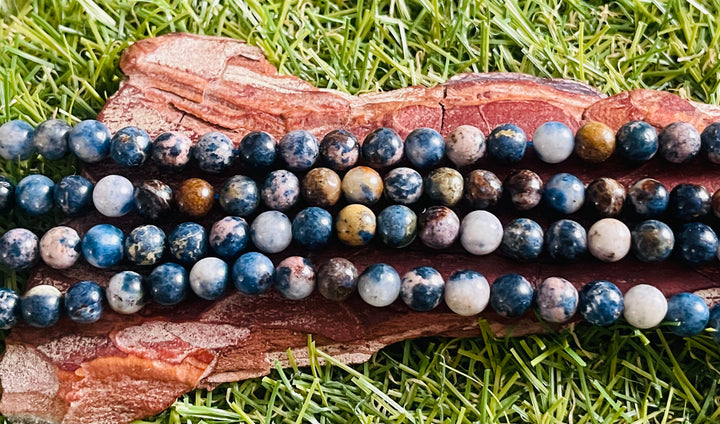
(51,139)
(648,198)
(145,245)
(564,193)
(280,190)
(710,141)
(125,292)
(697,243)
(258,150)
(84,302)
(34,194)
(208,278)
(679,142)
(73,195)
(9,308)
(714,322)
(525,188)
(556,300)
(253,273)
(337,279)
(188,242)
(171,151)
(40,306)
(652,241)
(7,193)
(312,228)
(168,284)
(637,141)
(16,140)
(601,303)
(295,278)
(382,147)
(19,249)
(566,240)
(229,236)
(102,245)
(689,202)
(214,152)
(511,295)
(89,140)
(403,185)
(422,288)
(424,147)
(299,150)
(522,239)
(130,146)
(239,195)
(506,144)
(397,226)
(690,312)
(339,150)
(153,199)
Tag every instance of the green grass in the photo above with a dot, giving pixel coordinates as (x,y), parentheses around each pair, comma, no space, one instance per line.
(60,59)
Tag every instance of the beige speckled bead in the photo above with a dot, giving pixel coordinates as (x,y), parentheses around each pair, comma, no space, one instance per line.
(465,145)
(355,225)
(362,185)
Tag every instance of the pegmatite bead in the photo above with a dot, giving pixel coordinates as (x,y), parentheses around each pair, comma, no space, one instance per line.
(280,190)
(483,189)
(73,195)
(553,142)
(439,227)
(84,302)
(379,285)
(40,306)
(566,240)
(362,185)
(467,292)
(606,195)
(339,150)
(522,239)
(637,141)
(697,243)
(19,249)
(422,288)
(126,292)
(652,241)
(679,142)
(511,295)
(34,194)
(481,232)
(51,139)
(506,144)
(195,197)
(382,147)
(7,193)
(690,312)
(403,185)
(465,145)
(424,147)
(710,142)
(229,236)
(171,150)
(9,308)
(16,140)
(188,242)
(102,245)
(689,202)
(397,225)
(645,306)
(601,303)
(145,245)
(556,300)
(239,195)
(299,150)
(258,150)
(355,225)
(60,247)
(113,196)
(564,193)
(253,273)
(714,321)
(337,279)
(89,140)
(594,142)
(168,284)
(444,186)
(214,152)
(648,198)
(271,232)
(609,240)
(321,187)
(153,199)
(130,146)
(525,188)
(208,278)
(312,228)
(295,278)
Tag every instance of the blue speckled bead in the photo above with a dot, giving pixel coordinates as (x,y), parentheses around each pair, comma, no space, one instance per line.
(379,285)
(7,193)
(280,190)
(84,302)
(239,196)
(126,293)
(89,140)
(258,150)
(601,303)
(253,273)
(511,295)
(114,196)
(102,245)
(689,202)
(271,232)
(522,239)
(60,247)
(16,140)
(312,228)
(382,147)
(648,198)
(34,194)
(566,240)
(424,147)
(214,152)
(188,242)
(153,199)
(710,142)
(229,236)
(171,151)
(339,150)
(637,141)
(697,243)
(9,308)
(553,142)
(145,245)
(422,288)
(444,186)
(168,284)
(714,322)
(295,278)
(506,144)
(73,195)
(679,142)
(403,185)
(556,300)
(130,146)
(51,139)
(467,292)
(652,241)
(208,278)
(299,150)
(40,306)
(397,225)
(19,249)
(564,193)
(690,312)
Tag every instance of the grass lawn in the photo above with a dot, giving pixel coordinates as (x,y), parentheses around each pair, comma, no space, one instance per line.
(60,59)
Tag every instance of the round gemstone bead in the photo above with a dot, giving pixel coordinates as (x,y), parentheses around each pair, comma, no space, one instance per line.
(239,196)
(60,247)
(506,144)
(271,232)
(601,303)
(594,142)
(34,194)
(51,139)
(362,185)
(19,249)
(7,193)
(214,152)
(697,243)
(16,140)
(566,240)
(382,148)
(379,285)
(312,228)
(715,203)
(465,145)
(258,150)
(208,278)
(280,190)
(637,141)
(299,150)
(73,195)
(89,140)
(483,189)
(525,188)
(339,150)
(9,308)
(648,198)
(553,142)
(424,147)
(564,193)
(102,245)
(710,142)
(522,239)
(145,245)
(168,284)
(403,185)
(229,236)
(153,199)
(645,306)
(321,187)
(679,142)
(397,225)
(126,292)
(511,295)
(439,227)
(295,278)
(355,225)
(480,232)
(652,241)
(171,151)
(714,321)
(188,242)
(84,302)
(253,273)
(40,306)
(606,195)
(130,146)
(556,300)
(467,292)
(609,240)
(690,312)
(113,196)
(689,202)
(444,186)
(422,288)
(337,279)
(195,197)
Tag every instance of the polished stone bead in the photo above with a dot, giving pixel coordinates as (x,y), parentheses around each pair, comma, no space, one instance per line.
(379,285)
(483,189)
(89,140)
(60,247)
(188,242)
(480,232)
(84,302)
(102,245)
(362,185)
(321,187)
(171,151)
(258,150)
(465,145)
(153,199)
(652,241)
(439,227)
(403,185)
(51,139)
(648,198)
(715,203)
(253,273)
(506,144)
(208,278)
(714,321)
(299,150)
(606,196)
(40,306)
(467,292)
(553,142)
(214,152)
(7,193)
(690,312)
(601,303)
(19,249)
(382,148)
(522,239)
(511,295)
(689,202)
(312,228)
(422,288)
(113,196)
(525,189)
(609,240)
(126,293)
(556,300)
(130,146)
(679,142)
(710,142)
(337,279)
(271,232)
(168,284)
(697,243)
(229,236)
(16,140)
(355,225)
(637,141)
(195,197)
(644,306)
(34,194)
(594,142)
(564,193)
(295,278)
(145,245)
(424,147)
(397,226)
(444,186)
(280,190)
(339,150)
(73,195)
(566,241)
(9,308)
(239,195)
